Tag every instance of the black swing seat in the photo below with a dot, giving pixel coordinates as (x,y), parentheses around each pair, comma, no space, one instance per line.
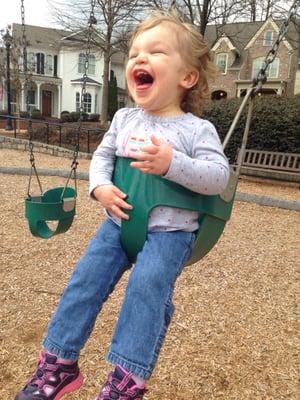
(50,206)
(146,191)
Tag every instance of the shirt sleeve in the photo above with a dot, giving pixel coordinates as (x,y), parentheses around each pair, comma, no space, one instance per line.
(207,170)
(103,160)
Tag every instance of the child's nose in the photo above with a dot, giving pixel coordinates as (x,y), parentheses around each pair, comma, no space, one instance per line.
(141,58)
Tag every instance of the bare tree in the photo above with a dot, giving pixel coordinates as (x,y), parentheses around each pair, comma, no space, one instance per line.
(261,10)
(202,13)
(114,18)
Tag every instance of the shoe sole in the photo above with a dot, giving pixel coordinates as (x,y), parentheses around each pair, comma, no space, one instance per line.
(71,387)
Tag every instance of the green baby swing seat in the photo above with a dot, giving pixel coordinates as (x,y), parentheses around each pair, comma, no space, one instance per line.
(57,204)
(146,191)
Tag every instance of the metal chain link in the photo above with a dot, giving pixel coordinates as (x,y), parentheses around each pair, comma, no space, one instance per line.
(91,21)
(26,86)
(261,77)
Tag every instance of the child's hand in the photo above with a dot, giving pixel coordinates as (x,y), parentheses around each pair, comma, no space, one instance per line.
(112,198)
(155,158)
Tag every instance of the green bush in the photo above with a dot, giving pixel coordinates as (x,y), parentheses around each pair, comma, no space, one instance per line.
(274,126)
(36,114)
(94,117)
(74,115)
(65,117)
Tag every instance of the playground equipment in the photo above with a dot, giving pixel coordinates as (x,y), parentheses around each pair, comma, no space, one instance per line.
(56,204)
(147,191)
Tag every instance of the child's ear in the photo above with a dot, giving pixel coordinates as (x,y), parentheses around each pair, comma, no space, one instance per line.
(190,79)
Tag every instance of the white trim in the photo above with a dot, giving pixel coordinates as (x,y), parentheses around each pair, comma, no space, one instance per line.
(72,34)
(226,40)
(80,83)
(270,21)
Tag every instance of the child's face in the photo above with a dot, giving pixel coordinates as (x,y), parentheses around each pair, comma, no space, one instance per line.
(156,73)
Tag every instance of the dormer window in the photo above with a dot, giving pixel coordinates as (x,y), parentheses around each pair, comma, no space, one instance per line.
(221,62)
(92,64)
(31,62)
(268,38)
(49,65)
(40,63)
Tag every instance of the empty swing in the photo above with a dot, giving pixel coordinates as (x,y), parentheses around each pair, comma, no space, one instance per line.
(59,203)
(56,204)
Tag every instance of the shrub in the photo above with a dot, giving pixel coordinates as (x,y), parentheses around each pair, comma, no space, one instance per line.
(74,116)
(84,117)
(36,114)
(65,117)
(94,117)
(274,126)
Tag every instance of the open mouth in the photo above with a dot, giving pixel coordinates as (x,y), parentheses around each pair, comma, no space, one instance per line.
(143,79)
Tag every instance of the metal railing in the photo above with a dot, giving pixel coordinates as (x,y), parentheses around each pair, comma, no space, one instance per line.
(56,132)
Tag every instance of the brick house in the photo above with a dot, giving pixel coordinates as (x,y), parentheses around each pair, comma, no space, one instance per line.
(239,50)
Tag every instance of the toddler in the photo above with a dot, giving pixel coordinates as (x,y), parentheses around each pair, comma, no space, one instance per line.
(167,76)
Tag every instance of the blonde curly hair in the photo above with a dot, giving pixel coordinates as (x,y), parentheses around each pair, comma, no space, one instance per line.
(194,51)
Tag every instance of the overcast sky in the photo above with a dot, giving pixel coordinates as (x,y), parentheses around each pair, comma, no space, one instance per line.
(36,13)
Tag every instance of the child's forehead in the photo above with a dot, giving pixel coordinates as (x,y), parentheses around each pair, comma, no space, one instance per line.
(154,33)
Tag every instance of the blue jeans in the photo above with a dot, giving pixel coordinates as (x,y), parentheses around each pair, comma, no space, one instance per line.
(147,308)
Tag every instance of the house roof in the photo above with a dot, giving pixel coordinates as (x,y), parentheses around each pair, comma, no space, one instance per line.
(54,39)
(40,37)
(88,80)
(240,33)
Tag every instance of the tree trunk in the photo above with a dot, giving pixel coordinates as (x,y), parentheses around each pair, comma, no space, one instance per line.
(253,10)
(104,107)
(204,15)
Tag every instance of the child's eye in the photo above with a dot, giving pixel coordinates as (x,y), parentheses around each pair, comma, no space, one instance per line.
(158,52)
(131,56)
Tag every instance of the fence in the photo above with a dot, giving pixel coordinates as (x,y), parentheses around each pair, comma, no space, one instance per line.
(55,133)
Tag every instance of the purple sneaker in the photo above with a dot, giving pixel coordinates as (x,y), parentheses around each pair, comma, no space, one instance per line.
(51,380)
(120,386)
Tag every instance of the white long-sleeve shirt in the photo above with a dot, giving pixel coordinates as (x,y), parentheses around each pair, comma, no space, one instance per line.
(198,162)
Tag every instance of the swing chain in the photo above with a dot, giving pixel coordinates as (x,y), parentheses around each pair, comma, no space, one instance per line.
(91,21)
(261,77)
(26,85)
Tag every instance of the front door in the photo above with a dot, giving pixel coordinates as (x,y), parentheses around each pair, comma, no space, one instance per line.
(46,103)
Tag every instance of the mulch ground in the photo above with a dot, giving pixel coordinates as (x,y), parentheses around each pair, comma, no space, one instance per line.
(235,333)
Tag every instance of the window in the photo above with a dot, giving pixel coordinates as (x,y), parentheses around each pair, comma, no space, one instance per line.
(272,71)
(92,64)
(222,62)
(31,99)
(40,63)
(31,96)
(49,65)
(31,62)
(87,102)
(55,66)
(268,38)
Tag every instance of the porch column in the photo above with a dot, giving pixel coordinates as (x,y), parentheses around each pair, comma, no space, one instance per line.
(59,101)
(38,99)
